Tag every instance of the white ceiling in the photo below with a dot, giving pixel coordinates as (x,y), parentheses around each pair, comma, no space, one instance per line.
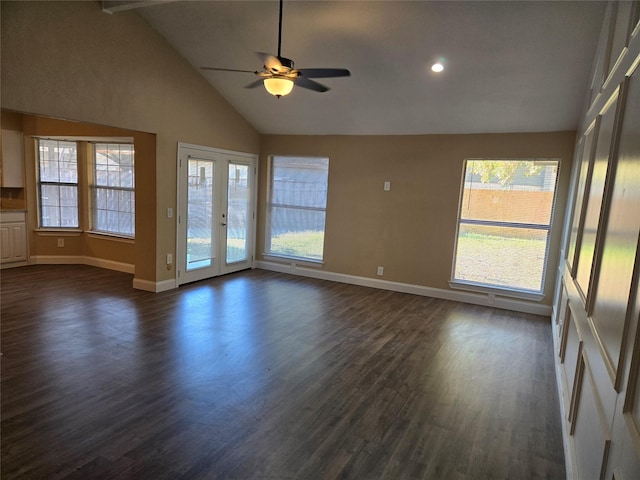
(511,66)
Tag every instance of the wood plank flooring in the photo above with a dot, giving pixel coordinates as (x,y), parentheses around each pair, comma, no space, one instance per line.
(260,375)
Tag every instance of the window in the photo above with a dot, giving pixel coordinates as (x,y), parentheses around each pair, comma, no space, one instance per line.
(296,207)
(114,197)
(58,184)
(504,224)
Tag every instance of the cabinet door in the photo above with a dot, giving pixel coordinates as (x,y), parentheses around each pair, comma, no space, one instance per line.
(13,242)
(12,163)
(5,243)
(18,242)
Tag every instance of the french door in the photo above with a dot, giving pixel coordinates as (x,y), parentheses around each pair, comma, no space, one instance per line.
(216,212)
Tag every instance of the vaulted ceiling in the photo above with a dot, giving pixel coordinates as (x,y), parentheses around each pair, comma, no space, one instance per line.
(510,66)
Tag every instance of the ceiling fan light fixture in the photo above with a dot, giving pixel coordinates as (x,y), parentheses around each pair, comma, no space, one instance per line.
(278,75)
(278,87)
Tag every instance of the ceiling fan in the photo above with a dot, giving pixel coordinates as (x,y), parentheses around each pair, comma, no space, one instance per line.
(278,74)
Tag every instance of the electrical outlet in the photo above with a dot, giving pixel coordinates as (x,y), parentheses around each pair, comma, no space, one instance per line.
(61,242)
(380,271)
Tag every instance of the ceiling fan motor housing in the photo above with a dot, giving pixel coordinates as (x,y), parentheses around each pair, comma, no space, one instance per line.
(287,63)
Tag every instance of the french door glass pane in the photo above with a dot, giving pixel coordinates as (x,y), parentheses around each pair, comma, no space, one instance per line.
(200,242)
(237,212)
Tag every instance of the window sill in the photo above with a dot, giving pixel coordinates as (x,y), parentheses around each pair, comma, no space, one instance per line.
(58,232)
(299,261)
(111,236)
(497,291)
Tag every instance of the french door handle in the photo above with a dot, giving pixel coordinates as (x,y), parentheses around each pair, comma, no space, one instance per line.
(223,224)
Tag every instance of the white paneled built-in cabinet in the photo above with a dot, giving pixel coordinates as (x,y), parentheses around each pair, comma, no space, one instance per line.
(597,307)
(13,238)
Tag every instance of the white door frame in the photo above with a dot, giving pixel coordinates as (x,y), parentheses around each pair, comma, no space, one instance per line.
(183,152)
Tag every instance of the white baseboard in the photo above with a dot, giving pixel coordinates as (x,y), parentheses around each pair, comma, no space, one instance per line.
(139,284)
(516,305)
(110,265)
(82,260)
(455,295)
(13,264)
(56,259)
(155,287)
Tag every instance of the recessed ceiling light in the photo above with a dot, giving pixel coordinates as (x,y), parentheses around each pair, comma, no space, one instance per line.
(437,67)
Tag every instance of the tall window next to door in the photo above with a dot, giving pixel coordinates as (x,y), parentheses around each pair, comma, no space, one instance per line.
(114,195)
(504,224)
(57,184)
(296,207)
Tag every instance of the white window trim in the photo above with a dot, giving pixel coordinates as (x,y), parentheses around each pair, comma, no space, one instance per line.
(497,291)
(296,261)
(58,232)
(93,187)
(111,236)
(277,256)
(39,183)
(511,292)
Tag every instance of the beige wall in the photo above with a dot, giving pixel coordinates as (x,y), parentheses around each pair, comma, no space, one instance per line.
(70,60)
(140,252)
(409,230)
(114,70)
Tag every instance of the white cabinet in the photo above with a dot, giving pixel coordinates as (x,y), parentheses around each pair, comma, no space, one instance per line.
(12,162)
(13,237)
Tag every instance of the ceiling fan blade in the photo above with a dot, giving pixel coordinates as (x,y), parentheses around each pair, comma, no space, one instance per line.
(228,70)
(255,84)
(310,85)
(324,72)
(270,62)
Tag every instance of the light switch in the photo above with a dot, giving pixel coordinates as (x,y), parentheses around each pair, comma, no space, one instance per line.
(387,186)
(169,212)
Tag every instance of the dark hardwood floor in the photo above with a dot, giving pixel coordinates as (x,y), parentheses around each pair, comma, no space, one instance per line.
(268,376)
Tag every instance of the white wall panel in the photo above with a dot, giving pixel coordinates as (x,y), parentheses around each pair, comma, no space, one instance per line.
(599,344)
(613,287)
